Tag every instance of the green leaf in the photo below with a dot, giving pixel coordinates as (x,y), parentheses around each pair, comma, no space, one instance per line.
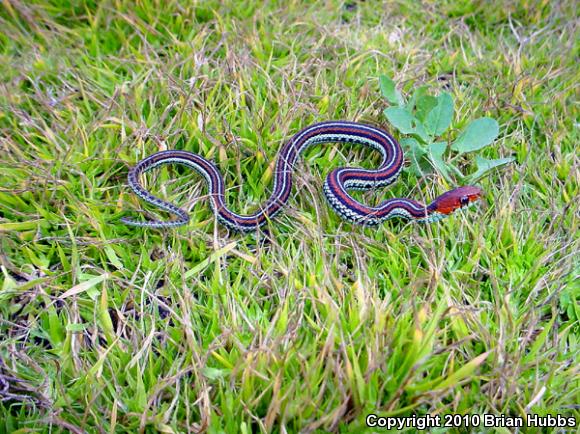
(401,119)
(110,252)
(9,283)
(389,90)
(436,151)
(539,342)
(76,327)
(55,329)
(419,92)
(105,319)
(424,105)
(462,373)
(421,132)
(478,134)
(570,301)
(406,123)
(211,258)
(484,165)
(214,373)
(440,117)
(140,401)
(84,286)
(22,226)
(416,153)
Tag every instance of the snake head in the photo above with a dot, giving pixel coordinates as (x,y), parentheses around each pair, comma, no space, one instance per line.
(455,199)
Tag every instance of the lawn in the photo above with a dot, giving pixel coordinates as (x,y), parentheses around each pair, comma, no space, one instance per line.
(312,323)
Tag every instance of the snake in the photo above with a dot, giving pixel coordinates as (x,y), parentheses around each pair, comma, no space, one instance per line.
(336,185)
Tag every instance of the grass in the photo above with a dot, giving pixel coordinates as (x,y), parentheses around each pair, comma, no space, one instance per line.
(313,323)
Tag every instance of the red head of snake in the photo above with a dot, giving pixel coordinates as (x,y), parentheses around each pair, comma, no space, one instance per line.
(455,199)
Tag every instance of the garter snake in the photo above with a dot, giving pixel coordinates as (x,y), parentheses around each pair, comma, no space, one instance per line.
(336,185)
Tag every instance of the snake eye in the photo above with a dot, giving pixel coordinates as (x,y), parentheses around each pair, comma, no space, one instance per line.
(464,201)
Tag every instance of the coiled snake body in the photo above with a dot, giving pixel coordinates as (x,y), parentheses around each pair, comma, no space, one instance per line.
(336,185)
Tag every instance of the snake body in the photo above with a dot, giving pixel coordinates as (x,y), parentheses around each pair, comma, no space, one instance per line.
(336,185)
